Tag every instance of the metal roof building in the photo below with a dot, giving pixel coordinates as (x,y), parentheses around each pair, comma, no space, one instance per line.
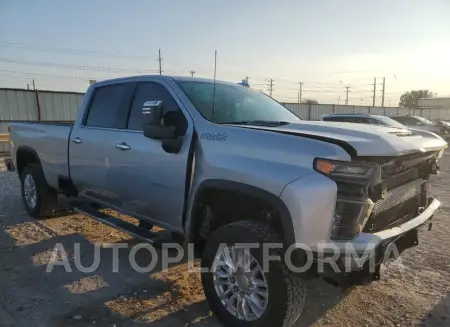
(435,103)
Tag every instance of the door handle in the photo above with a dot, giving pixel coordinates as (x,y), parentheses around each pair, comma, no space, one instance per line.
(77,140)
(122,146)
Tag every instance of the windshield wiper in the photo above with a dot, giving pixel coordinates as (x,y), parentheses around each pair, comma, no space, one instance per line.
(258,122)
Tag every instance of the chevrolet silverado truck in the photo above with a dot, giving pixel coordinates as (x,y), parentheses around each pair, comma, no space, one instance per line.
(219,164)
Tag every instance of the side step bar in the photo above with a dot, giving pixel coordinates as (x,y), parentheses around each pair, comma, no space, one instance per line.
(133,230)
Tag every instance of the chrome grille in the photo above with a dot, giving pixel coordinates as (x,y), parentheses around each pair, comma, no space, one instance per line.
(398,196)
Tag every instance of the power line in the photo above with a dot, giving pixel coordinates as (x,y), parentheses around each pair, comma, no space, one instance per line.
(47,75)
(69,66)
(71,51)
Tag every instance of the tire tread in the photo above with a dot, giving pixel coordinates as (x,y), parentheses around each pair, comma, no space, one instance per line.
(295,287)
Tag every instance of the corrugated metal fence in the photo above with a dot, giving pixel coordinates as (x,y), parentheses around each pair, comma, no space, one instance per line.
(316,111)
(30,105)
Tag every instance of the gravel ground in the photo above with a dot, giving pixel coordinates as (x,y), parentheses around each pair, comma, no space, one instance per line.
(413,292)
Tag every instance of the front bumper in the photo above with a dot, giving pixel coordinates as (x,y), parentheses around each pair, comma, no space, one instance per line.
(358,261)
(365,242)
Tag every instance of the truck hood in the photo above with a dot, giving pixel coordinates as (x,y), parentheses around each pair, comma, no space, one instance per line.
(363,140)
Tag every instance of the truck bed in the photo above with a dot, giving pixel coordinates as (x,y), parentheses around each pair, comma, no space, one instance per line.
(49,140)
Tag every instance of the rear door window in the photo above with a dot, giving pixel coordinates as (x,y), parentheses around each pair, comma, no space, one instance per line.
(106,106)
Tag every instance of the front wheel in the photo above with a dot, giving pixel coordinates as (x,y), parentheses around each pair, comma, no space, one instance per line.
(245,289)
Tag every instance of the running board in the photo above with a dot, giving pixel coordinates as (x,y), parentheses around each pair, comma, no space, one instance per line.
(133,230)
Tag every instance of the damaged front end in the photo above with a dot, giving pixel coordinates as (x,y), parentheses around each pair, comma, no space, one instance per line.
(376,211)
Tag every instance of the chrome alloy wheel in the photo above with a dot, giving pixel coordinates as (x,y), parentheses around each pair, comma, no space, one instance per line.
(240,283)
(29,189)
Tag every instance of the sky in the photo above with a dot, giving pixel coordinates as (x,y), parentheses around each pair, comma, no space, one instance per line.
(326,45)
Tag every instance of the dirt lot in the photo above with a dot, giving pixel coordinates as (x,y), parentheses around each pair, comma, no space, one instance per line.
(416,293)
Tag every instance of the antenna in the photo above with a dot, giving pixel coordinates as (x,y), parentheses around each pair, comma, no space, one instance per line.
(214,87)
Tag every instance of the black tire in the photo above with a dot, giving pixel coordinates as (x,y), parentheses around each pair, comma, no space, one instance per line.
(287,293)
(46,197)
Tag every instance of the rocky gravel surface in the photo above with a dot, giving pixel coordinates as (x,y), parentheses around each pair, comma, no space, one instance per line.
(413,291)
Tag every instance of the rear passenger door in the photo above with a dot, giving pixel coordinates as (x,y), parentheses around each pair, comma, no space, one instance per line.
(91,145)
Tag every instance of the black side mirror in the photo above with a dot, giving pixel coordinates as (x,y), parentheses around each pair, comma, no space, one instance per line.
(159,132)
(152,112)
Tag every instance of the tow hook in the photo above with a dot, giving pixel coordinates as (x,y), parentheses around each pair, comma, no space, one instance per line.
(430,223)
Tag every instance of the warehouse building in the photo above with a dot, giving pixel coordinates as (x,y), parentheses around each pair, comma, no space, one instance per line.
(435,103)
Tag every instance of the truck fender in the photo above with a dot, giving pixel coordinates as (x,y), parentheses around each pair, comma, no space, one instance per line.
(271,199)
(25,155)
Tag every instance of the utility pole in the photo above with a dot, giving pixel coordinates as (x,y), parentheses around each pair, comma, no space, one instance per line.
(346,97)
(192,72)
(28,86)
(374,91)
(34,86)
(160,61)
(382,94)
(270,85)
(300,92)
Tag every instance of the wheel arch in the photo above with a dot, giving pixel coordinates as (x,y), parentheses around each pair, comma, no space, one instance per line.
(238,188)
(26,155)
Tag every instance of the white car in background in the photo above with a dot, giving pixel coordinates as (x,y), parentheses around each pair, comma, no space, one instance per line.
(390,122)
(420,123)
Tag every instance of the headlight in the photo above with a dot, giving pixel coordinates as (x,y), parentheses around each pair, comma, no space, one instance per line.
(353,205)
(341,168)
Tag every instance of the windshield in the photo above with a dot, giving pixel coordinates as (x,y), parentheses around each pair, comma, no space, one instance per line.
(425,121)
(390,122)
(234,103)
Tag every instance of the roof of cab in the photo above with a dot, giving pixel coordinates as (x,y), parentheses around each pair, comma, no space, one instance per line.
(140,78)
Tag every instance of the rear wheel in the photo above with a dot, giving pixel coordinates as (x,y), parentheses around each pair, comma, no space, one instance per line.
(39,199)
(240,289)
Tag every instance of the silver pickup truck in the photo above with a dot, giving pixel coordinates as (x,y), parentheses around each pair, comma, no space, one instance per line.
(220,165)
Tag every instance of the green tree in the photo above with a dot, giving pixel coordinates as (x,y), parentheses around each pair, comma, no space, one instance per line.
(310,101)
(410,99)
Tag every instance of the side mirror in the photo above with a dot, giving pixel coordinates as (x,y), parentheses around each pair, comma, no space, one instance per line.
(159,132)
(152,112)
